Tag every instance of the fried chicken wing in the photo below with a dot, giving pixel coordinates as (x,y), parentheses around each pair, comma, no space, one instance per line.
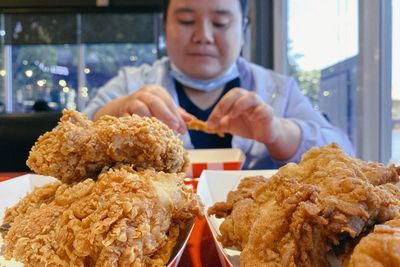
(381,248)
(199,125)
(240,210)
(125,218)
(306,209)
(79,148)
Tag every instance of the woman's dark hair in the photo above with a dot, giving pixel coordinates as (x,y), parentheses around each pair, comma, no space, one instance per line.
(243,4)
(41,105)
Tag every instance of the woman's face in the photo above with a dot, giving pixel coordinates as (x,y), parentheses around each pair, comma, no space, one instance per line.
(204,37)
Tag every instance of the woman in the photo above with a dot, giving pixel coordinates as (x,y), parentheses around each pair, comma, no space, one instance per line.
(263,112)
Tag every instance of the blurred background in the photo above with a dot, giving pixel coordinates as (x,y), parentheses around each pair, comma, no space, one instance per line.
(345,55)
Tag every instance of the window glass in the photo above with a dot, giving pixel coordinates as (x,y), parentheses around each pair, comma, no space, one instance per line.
(2,68)
(118,28)
(64,58)
(396,80)
(102,62)
(44,72)
(40,28)
(322,53)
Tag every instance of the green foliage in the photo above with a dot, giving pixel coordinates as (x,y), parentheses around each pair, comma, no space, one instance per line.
(396,109)
(309,81)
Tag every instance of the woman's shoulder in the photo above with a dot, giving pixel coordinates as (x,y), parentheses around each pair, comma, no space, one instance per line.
(145,73)
(263,77)
(146,68)
(268,73)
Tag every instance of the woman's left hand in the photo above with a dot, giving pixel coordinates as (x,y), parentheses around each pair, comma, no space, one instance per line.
(245,114)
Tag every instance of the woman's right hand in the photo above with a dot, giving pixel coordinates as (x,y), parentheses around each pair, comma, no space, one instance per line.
(149,101)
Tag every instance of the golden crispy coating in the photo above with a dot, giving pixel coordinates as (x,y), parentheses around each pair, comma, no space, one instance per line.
(239,211)
(125,218)
(381,248)
(198,125)
(79,148)
(306,209)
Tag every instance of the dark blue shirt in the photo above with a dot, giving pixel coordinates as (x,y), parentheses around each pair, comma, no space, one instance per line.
(201,139)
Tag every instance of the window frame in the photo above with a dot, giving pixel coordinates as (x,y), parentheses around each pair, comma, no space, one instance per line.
(152,7)
(149,5)
(374,120)
(374,72)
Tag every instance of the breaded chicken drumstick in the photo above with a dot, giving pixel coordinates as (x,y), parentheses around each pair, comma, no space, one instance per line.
(79,148)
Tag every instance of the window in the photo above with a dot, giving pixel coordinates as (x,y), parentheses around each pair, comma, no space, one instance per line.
(51,77)
(349,83)
(396,80)
(322,55)
(64,58)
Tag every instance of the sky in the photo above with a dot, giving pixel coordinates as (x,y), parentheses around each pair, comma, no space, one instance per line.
(326,32)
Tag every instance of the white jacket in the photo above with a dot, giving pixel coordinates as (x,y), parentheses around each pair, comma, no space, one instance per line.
(279,91)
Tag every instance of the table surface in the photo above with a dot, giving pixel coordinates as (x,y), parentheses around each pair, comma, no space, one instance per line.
(200,250)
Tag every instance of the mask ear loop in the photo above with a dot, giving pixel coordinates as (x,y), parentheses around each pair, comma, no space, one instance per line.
(246,23)
(245,26)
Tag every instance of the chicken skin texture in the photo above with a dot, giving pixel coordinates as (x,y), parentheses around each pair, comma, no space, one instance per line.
(125,218)
(79,148)
(303,211)
(381,248)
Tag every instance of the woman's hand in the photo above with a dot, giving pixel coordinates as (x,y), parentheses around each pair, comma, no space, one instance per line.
(149,101)
(243,113)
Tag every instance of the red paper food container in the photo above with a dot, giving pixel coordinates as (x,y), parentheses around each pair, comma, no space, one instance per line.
(11,191)
(214,159)
(180,245)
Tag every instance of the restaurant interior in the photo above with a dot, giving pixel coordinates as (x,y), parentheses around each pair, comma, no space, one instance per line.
(56,54)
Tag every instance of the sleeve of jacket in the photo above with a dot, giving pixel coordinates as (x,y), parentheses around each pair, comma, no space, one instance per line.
(315,129)
(118,86)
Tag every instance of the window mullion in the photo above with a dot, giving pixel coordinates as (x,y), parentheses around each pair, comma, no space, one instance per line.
(81,65)
(8,84)
(280,50)
(374,125)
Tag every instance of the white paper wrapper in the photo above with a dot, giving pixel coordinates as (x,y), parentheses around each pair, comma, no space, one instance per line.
(213,187)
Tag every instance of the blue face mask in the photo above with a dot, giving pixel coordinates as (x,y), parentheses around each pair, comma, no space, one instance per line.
(205,85)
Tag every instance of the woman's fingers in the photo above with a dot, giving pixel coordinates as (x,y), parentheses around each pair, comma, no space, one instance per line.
(135,106)
(224,106)
(235,103)
(155,101)
(264,113)
(185,115)
(162,93)
(166,97)
(246,102)
(159,109)
(245,114)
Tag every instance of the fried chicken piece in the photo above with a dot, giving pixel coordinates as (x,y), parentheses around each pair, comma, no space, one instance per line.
(125,218)
(41,195)
(79,148)
(306,209)
(199,125)
(381,248)
(242,210)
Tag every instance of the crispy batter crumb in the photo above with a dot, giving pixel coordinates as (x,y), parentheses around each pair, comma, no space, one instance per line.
(199,125)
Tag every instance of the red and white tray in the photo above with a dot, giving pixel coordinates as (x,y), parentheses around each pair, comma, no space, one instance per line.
(214,159)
